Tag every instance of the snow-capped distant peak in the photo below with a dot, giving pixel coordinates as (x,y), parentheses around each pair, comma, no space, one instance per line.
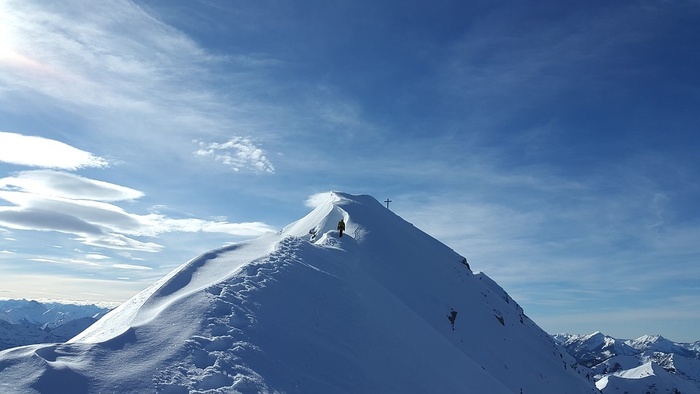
(656,343)
(649,377)
(649,339)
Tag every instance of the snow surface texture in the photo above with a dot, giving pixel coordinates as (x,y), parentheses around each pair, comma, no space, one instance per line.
(305,311)
(649,364)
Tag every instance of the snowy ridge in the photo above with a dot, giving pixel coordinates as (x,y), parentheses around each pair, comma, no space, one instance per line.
(647,378)
(304,311)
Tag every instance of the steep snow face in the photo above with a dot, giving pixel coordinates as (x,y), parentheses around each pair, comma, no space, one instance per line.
(305,311)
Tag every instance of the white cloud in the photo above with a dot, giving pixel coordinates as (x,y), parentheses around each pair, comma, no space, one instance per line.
(44,220)
(132,267)
(43,152)
(119,242)
(96,256)
(237,153)
(64,261)
(57,201)
(127,255)
(242,229)
(106,225)
(62,184)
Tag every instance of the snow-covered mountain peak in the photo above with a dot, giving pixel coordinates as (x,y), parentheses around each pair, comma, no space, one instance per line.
(648,377)
(651,342)
(386,308)
(360,213)
(649,339)
(589,347)
(322,219)
(598,339)
(657,343)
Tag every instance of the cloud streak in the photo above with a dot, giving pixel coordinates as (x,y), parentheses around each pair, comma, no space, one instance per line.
(104,224)
(72,62)
(60,184)
(43,152)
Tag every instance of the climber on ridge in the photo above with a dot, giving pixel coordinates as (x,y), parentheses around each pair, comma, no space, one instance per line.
(341,227)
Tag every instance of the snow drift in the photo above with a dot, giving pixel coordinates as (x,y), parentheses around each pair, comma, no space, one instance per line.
(304,311)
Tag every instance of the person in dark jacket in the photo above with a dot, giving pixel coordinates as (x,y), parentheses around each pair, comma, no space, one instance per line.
(341,227)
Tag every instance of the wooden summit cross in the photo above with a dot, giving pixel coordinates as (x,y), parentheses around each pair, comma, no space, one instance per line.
(387,203)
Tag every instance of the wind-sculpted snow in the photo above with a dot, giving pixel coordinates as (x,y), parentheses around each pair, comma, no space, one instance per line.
(305,311)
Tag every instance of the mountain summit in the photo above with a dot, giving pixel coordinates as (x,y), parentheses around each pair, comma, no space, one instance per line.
(384,309)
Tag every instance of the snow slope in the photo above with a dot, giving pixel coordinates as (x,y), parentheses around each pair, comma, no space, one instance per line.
(304,311)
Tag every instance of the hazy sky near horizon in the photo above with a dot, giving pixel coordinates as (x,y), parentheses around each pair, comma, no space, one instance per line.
(555,144)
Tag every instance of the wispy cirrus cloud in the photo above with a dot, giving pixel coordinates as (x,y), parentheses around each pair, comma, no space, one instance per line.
(132,267)
(237,153)
(91,60)
(131,76)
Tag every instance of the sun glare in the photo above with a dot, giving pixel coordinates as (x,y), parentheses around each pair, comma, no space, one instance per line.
(7,52)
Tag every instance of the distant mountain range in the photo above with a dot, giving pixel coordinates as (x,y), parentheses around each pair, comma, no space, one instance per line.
(24,322)
(648,364)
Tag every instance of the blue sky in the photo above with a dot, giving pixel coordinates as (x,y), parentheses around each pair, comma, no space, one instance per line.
(555,144)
